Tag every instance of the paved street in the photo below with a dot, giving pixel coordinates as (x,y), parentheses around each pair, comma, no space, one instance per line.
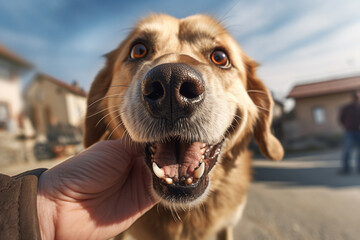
(300,197)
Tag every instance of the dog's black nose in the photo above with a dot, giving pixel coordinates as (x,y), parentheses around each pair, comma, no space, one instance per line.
(172,91)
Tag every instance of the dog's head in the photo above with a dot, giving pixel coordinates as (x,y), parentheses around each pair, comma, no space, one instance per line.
(187,91)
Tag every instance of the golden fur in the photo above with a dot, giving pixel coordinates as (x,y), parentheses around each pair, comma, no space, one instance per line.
(241,108)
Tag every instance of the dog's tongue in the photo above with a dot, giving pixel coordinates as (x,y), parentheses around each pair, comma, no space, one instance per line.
(177,159)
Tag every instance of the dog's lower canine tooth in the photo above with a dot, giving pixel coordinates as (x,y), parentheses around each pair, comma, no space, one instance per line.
(168,180)
(189,181)
(199,171)
(159,172)
(202,151)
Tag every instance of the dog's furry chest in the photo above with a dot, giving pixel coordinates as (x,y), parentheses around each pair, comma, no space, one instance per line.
(222,208)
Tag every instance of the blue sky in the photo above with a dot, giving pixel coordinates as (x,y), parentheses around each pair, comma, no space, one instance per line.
(294,41)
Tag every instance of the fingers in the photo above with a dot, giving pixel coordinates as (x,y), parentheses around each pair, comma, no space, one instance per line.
(131,148)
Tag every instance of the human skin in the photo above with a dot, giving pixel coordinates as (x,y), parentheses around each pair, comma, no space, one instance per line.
(96,194)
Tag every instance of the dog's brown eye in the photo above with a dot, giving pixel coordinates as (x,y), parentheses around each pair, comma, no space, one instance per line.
(220,58)
(139,50)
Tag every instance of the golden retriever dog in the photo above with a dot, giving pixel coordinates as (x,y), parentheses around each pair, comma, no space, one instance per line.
(186,91)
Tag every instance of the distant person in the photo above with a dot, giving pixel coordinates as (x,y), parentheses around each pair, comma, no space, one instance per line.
(350,120)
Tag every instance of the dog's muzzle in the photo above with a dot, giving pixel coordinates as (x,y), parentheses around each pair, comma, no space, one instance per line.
(175,92)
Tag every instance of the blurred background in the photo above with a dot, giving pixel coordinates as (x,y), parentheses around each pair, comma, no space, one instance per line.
(309,56)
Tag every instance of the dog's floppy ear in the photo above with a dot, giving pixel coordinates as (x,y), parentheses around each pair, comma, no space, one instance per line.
(269,145)
(94,129)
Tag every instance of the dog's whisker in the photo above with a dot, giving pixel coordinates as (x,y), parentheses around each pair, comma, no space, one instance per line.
(109,96)
(202,206)
(178,219)
(127,137)
(120,124)
(173,215)
(119,85)
(105,117)
(262,108)
(223,18)
(116,117)
(225,15)
(237,116)
(157,208)
(102,110)
(256,91)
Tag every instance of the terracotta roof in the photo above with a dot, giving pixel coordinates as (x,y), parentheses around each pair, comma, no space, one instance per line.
(6,53)
(325,87)
(71,88)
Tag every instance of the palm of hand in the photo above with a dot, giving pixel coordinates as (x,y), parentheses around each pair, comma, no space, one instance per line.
(97,194)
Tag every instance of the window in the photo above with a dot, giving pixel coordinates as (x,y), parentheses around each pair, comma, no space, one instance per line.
(319,115)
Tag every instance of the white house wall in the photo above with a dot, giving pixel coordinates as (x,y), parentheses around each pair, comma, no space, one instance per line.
(10,93)
(76,109)
(44,94)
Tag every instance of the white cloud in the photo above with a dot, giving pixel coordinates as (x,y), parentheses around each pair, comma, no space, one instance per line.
(247,17)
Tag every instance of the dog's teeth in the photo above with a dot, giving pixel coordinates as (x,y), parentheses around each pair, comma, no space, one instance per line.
(169,181)
(189,181)
(202,151)
(199,171)
(203,157)
(159,172)
(203,145)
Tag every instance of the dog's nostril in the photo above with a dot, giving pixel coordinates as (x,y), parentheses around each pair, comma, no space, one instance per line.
(157,91)
(191,90)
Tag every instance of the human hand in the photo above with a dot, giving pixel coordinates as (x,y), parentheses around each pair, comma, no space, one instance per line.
(95,195)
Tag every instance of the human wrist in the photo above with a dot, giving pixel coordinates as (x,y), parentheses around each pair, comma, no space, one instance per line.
(46,210)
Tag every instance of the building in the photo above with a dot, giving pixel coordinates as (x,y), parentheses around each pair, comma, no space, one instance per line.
(12,68)
(317,106)
(12,71)
(51,102)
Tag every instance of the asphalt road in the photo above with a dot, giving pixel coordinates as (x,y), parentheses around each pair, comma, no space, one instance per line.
(302,197)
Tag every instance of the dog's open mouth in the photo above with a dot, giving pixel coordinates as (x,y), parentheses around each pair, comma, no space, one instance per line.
(180,170)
